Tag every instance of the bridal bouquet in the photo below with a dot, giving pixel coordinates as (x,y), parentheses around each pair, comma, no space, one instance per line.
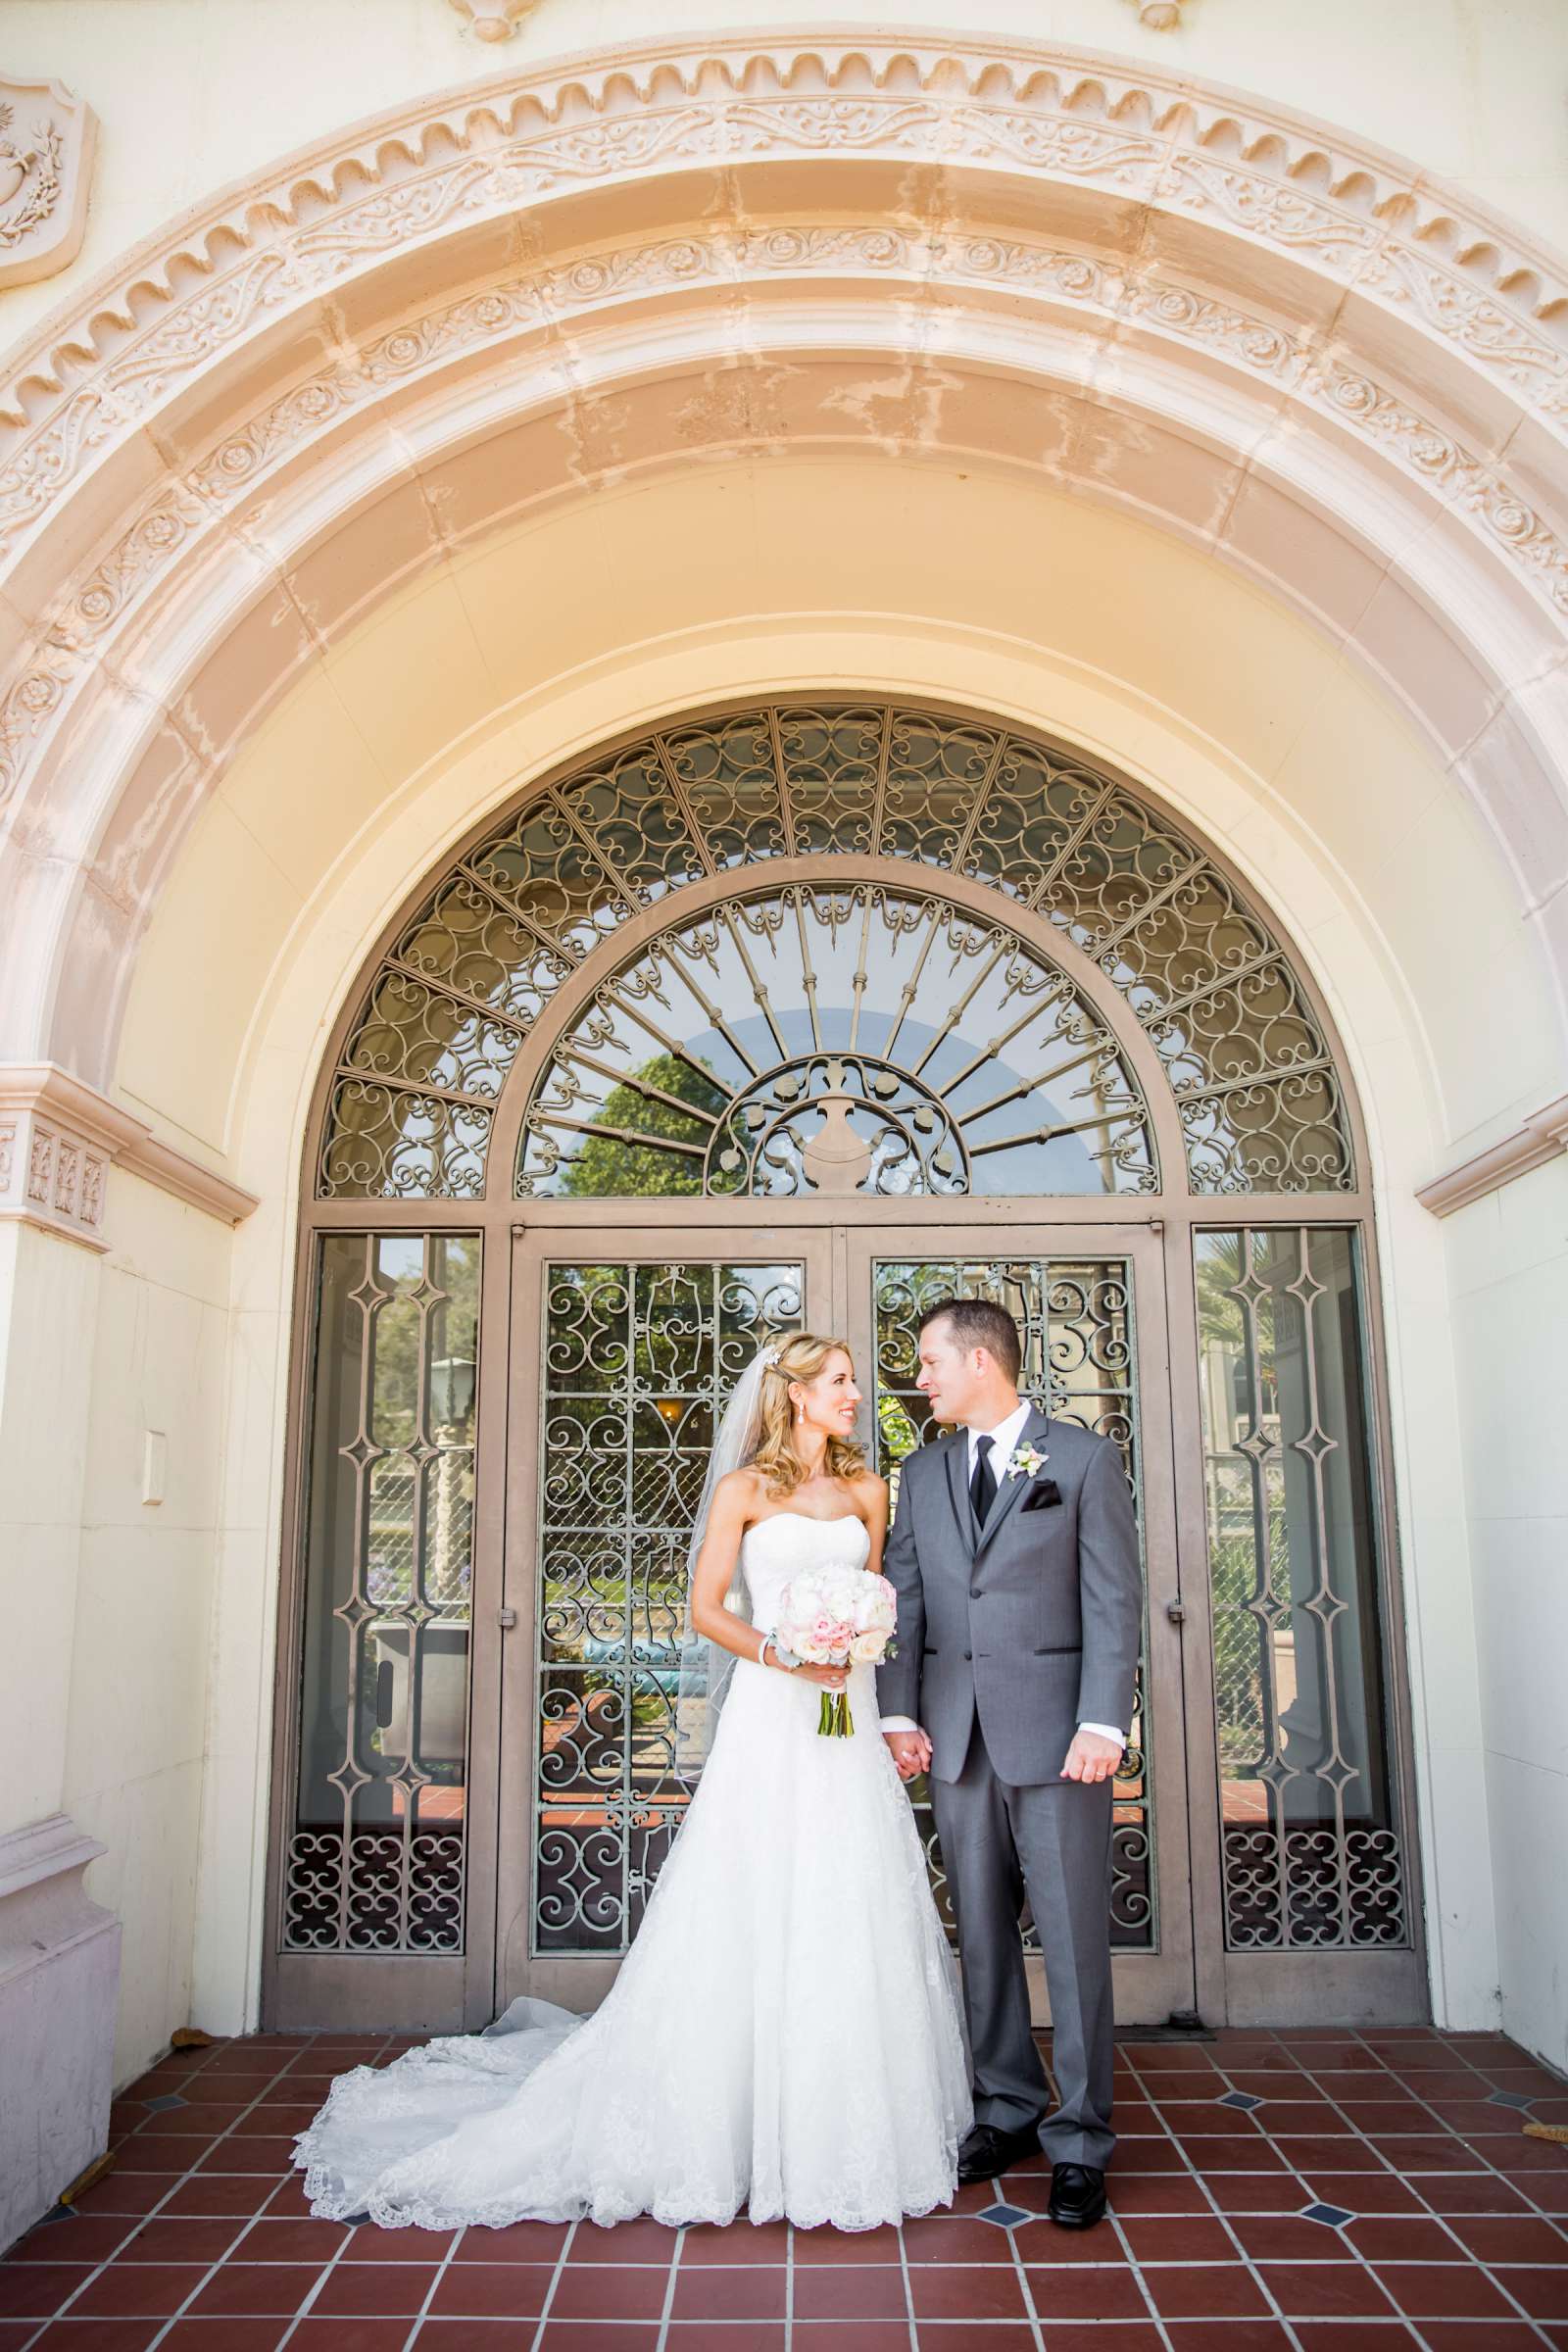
(836,1616)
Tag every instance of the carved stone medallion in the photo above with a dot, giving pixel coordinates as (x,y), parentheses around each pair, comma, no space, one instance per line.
(46,142)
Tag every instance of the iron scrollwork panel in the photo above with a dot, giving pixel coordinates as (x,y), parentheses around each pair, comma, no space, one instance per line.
(1311,1845)
(639,1361)
(376,1856)
(1079,1364)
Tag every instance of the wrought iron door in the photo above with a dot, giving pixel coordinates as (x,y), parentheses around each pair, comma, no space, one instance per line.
(625,1343)
(1090,1304)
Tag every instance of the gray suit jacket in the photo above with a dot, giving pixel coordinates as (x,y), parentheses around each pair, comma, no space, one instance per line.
(1032,1621)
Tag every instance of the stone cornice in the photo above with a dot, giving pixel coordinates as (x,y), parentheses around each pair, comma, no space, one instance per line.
(1544,1136)
(59,1137)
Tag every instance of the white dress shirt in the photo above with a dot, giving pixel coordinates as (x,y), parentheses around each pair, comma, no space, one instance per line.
(1005,1437)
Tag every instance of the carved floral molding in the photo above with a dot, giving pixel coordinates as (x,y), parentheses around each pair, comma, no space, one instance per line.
(1465,281)
(1450,270)
(163,534)
(1344,215)
(46,147)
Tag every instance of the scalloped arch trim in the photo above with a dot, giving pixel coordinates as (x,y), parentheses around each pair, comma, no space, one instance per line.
(1306,185)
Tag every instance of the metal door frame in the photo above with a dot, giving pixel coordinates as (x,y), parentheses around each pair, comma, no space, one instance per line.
(1314,1986)
(413,1992)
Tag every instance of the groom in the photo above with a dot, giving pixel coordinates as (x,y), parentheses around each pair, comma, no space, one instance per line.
(1015,1554)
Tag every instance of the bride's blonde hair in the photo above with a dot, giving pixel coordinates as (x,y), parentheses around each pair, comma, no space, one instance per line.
(799,1359)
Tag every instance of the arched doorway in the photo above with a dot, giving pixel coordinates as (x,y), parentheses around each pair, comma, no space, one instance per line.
(803,1013)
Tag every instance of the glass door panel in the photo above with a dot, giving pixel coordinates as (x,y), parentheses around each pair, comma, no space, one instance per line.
(1311,1845)
(376,1771)
(629,1346)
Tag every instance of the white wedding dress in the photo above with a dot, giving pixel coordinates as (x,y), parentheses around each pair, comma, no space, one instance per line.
(784,2035)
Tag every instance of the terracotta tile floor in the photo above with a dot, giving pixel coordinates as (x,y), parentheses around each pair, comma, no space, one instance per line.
(1327,2192)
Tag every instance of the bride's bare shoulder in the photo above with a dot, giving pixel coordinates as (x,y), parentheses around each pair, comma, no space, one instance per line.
(870,1492)
(742,1488)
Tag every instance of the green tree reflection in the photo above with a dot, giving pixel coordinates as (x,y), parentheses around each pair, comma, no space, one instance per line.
(604,1168)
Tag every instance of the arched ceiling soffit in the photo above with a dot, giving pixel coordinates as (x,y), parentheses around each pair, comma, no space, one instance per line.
(1324,323)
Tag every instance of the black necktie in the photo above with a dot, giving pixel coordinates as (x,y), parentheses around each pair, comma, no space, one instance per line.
(982,1484)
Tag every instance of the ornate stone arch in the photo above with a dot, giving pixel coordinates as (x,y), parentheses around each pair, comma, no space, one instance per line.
(1311,334)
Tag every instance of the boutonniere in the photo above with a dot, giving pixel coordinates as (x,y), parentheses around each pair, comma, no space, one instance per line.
(1027,1461)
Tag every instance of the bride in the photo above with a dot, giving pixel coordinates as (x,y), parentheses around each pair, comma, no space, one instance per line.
(785,2031)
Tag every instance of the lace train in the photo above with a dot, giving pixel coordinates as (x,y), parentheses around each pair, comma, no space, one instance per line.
(784,2035)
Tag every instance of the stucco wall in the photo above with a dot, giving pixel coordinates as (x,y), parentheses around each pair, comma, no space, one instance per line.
(137,1725)
(1508,1260)
(107,1597)
(47,1287)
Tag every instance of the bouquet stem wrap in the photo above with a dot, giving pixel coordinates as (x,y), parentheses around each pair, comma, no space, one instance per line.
(834,1720)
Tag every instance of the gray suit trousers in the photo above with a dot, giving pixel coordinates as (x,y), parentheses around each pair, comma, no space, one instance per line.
(1050,1840)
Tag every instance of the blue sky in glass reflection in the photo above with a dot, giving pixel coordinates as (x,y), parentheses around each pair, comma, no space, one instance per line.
(983,1025)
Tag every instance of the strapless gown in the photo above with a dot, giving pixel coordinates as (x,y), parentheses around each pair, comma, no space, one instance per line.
(785,2034)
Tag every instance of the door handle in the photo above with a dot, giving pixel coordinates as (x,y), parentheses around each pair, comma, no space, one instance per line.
(1175,1612)
(506,1619)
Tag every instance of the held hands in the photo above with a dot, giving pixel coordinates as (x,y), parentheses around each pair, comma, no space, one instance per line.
(912,1753)
(1091,1757)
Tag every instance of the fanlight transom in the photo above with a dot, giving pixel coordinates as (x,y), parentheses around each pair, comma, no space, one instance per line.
(819,1041)
(826,1098)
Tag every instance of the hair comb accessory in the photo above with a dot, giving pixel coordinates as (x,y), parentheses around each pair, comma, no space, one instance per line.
(771,1354)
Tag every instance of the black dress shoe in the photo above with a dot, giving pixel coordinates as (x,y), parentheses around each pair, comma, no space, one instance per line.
(986,2151)
(1077,2195)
